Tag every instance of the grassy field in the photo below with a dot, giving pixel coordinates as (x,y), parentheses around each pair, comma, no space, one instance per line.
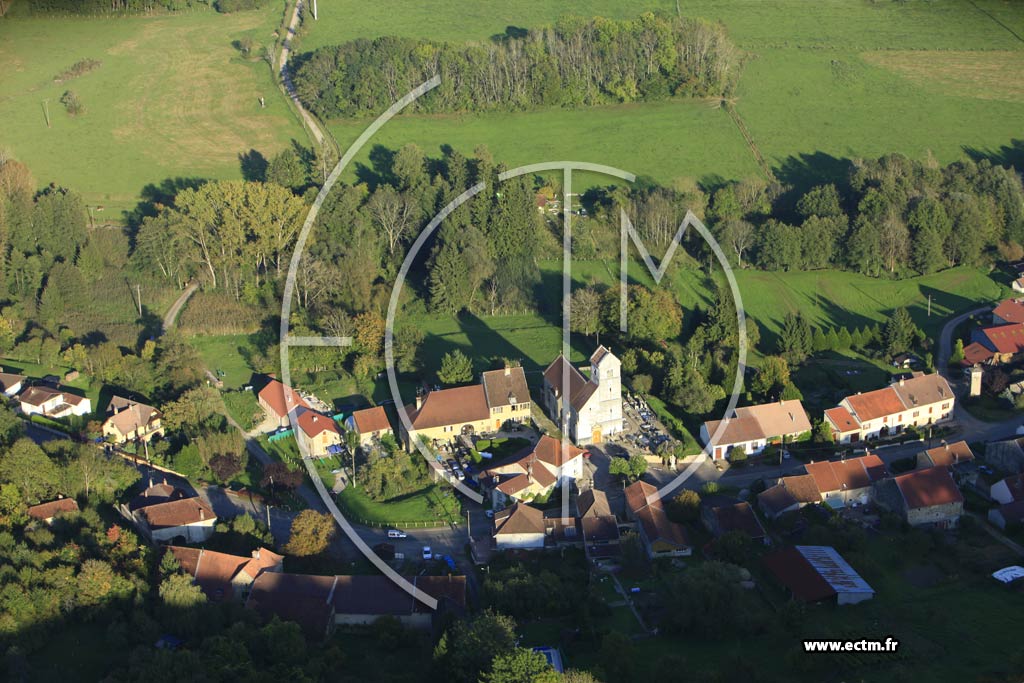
(428,506)
(226,353)
(665,140)
(172,99)
(823,83)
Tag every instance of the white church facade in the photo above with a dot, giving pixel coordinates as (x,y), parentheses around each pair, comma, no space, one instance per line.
(595,403)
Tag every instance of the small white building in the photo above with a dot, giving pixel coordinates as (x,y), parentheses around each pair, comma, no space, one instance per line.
(11,384)
(53,403)
(1008,490)
(519,527)
(752,428)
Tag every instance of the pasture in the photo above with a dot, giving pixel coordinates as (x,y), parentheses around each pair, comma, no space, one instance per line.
(172,99)
(823,83)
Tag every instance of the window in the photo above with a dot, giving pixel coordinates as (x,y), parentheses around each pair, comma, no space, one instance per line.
(916,413)
(945,406)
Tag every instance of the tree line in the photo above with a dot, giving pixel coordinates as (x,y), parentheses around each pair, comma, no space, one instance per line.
(575,62)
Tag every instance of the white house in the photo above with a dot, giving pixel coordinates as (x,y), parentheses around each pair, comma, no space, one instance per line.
(519,527)
(918,401)
(163,514)
(594,404)
(752,428)
(536,472)
(55,403)
(11,384)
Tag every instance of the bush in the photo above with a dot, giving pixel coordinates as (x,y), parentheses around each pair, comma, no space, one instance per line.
(72,103)
(737,456)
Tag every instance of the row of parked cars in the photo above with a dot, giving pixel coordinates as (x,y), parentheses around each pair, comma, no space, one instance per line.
(651,434)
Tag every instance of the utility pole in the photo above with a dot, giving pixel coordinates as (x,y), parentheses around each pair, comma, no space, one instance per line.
(46,112)
(929,305)
(138,298)
(315,17)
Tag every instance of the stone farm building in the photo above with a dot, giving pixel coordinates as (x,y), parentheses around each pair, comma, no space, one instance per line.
(278,401)
(224,577)
(842,482)
(661,536)
(594,408)
(442,415)
(163,514)
(752,428)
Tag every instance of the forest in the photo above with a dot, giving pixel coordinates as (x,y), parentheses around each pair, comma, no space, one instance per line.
(575,62)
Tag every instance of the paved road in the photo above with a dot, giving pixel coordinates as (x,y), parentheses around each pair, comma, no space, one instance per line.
(286,48)
(172,312)
(972,428)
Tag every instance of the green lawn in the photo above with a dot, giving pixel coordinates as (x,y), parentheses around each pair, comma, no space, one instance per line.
(429,506)
(227,353)
(172,100)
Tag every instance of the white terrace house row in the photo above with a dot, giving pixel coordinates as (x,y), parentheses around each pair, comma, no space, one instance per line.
(918,401)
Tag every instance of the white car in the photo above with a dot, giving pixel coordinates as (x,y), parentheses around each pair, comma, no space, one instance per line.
(427,554)
(396,533)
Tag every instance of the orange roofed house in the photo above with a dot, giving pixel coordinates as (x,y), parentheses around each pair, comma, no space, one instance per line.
(752,428)
(442,415)
(846,481)
(661,536)
(222,576)
(917,401)
(1002,341)
(318,435)
(369,424)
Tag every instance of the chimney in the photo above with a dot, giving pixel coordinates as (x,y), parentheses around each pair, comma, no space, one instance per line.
(508,369)
(419,401)
(202,513)
(901,380)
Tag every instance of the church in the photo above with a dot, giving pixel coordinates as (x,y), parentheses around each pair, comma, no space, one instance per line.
(594,403)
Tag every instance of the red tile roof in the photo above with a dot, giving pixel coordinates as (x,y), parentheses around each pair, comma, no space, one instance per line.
(975,353)
(47,510)
(950,454)
(1005,338)
(638,494)
(313,423)
(842,420)
(794,572)
(846,475)
(1010,310)
(281,399)
(925,488)
(551,451)
(875,404)
(214,571)
(738,517)
(370,420)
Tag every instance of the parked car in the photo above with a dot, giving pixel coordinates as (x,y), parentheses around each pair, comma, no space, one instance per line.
(489,513)
(427,554)
(397,533)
